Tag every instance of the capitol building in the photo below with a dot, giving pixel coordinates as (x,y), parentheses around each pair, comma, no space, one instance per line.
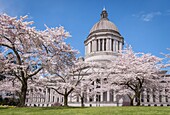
(102,44)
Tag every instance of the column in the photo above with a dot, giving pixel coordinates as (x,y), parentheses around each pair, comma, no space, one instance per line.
(29,98)
(157,96)
(107,45)
(114,46)
(94,98)
(117,46)
(51,95)
(102,44)
(144,96)
(71,97)
(47,95)
(163,96)
(88,99)
(88,47)
(99,44)
(34,100)
(114,95)
(95,89)
(101,93)
(94,46)
(55,97)
(151,96)
(108,96)
(120,46)
(38,99)
(101,96)
(110,44)
(85,50)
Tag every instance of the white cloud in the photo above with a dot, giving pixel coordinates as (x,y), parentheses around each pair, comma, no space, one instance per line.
(147,16)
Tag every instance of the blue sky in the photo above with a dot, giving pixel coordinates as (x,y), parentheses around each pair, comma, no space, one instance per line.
(144,24)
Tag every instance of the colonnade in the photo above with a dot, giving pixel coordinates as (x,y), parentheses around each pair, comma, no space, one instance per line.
(154,97)
(45,96)
(104,44)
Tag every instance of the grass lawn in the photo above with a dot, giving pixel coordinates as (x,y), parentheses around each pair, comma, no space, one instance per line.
(86,111)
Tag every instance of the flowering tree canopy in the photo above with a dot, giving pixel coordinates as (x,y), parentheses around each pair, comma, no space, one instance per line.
(67,79)
(129,73)
(26,51)
(135,72)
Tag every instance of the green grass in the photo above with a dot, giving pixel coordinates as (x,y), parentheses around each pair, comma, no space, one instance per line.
(86,111)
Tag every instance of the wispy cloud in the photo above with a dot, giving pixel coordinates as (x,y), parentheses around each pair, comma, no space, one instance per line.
(147,16)
(167,12)
(10,7)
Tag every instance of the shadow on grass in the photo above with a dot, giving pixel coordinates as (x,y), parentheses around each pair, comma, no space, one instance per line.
(62,107)
(3,108)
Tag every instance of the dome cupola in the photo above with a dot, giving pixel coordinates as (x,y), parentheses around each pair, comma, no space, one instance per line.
(103,41)
(104,23)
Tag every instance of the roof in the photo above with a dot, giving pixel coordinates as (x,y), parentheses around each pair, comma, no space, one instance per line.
(104,23)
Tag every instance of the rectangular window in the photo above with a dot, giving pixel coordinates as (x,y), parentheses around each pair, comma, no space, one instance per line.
(104,96)
(111,95)
(166,98)
(154,97)
(148,98)
(77,98)
(53,98)
(49,95)
(160,98)
(142,97)
(97,98)
(62,99)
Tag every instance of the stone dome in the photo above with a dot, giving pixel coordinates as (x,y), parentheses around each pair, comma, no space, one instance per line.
(104,40)
(104,23)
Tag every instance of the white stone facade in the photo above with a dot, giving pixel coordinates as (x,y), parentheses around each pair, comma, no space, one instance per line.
(102,44)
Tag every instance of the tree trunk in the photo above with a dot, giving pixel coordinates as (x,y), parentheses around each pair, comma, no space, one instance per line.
(23,95)
(131,97)
(131,102)
(82,101)
(65,100)
(138,98)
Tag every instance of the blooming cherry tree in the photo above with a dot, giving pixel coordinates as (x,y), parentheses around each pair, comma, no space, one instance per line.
(66,80)
(135,72)
(26,51)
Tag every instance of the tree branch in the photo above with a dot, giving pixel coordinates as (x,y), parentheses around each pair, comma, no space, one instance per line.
(34,72)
